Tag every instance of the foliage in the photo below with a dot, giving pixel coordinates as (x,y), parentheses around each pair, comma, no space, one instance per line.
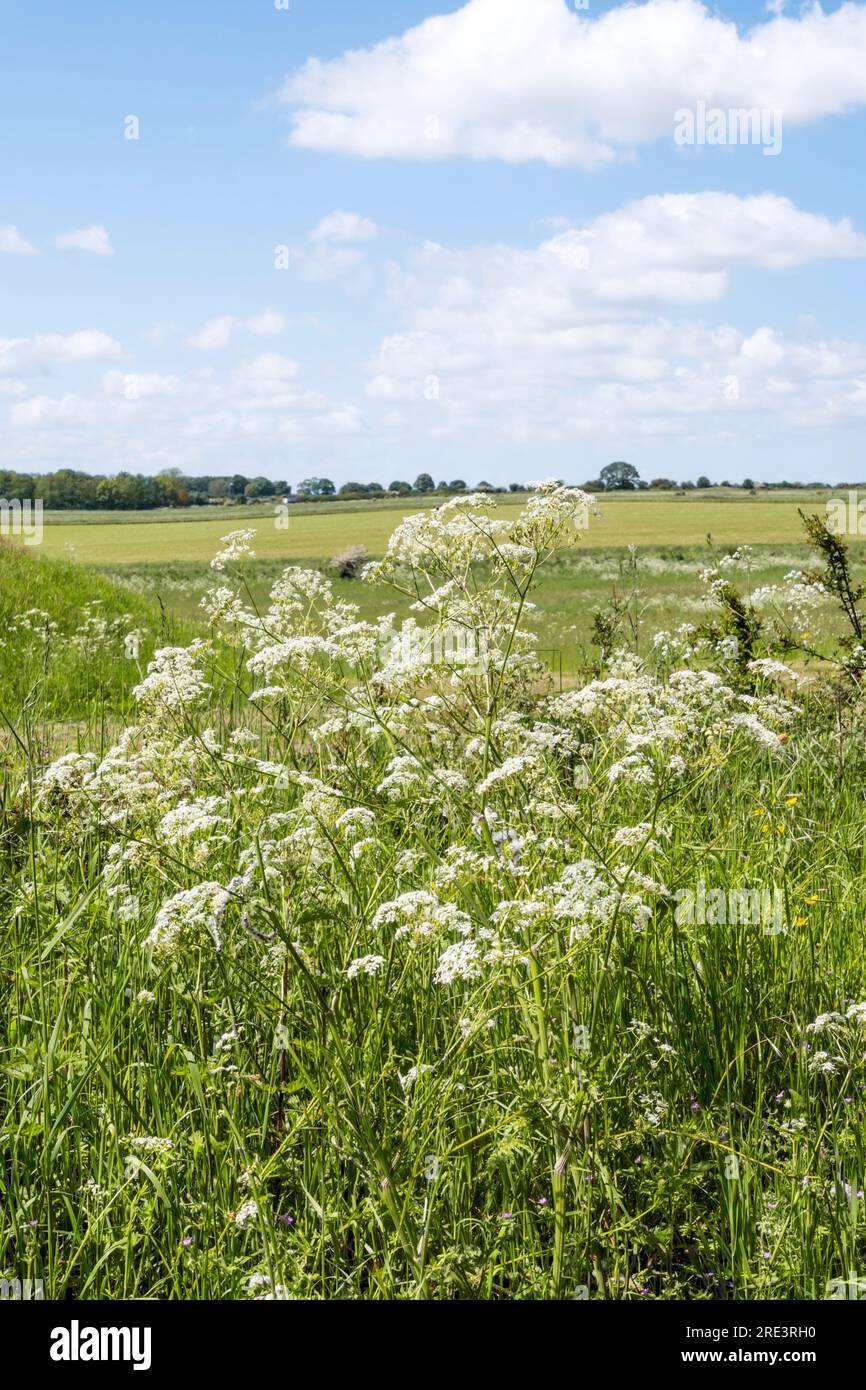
(366,964)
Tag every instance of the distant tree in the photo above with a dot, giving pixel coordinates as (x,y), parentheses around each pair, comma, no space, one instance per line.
(18,486)
(619,477)
(361,489)
(424,483)
(703,482)
(61,490)
(663,484)
(168,489)
(124,492)
(259,487)
(400,487)
(748,484)
(516,487)
(484,487)
(457,485)
(316,487)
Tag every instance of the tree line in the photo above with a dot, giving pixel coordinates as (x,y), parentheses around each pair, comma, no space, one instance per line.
(67,489)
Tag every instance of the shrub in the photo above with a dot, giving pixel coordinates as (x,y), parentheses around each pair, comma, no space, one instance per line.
(349,563)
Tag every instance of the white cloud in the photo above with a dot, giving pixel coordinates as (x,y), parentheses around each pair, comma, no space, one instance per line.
(214,335)
(571,338)
(202,421)
(330,262)
(93,239)
(344,227)
(11,388)
(217,333)
(27,355)
(14,243)
(533,79)
(87,345)
(269,374)
(600,331)
(268,324)
(680,247)
(140,385)
(673,248)
(333,249)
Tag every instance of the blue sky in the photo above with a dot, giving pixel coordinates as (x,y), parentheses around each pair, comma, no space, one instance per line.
(501,264)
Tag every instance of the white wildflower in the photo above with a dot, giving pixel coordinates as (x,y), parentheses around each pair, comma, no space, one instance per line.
(365,965)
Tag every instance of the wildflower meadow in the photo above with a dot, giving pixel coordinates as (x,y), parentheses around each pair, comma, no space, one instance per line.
(358,957)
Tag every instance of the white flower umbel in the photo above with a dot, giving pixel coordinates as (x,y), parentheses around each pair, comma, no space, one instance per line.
(365,965)
(235,546)
(173,681)
(186,919)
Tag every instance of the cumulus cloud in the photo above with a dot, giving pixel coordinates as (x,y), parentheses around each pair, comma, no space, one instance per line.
(24,356)
(12,242)
(93,239)
(333,248)
(673,248)
(200,421)
(521,80)
(601,330)
(342,227)
(140,385)
(573,337)
(217,333)
(269,374)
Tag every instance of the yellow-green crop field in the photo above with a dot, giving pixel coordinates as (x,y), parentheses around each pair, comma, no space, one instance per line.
(317,533)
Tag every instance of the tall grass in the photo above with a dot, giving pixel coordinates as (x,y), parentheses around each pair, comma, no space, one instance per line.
(618,1104)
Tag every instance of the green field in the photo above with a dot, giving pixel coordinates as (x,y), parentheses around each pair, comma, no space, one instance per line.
(165,557)
(316,533)
(330,975)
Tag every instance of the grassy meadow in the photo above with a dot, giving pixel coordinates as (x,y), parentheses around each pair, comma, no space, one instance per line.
(167,555)
(315,532)
(342,958)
